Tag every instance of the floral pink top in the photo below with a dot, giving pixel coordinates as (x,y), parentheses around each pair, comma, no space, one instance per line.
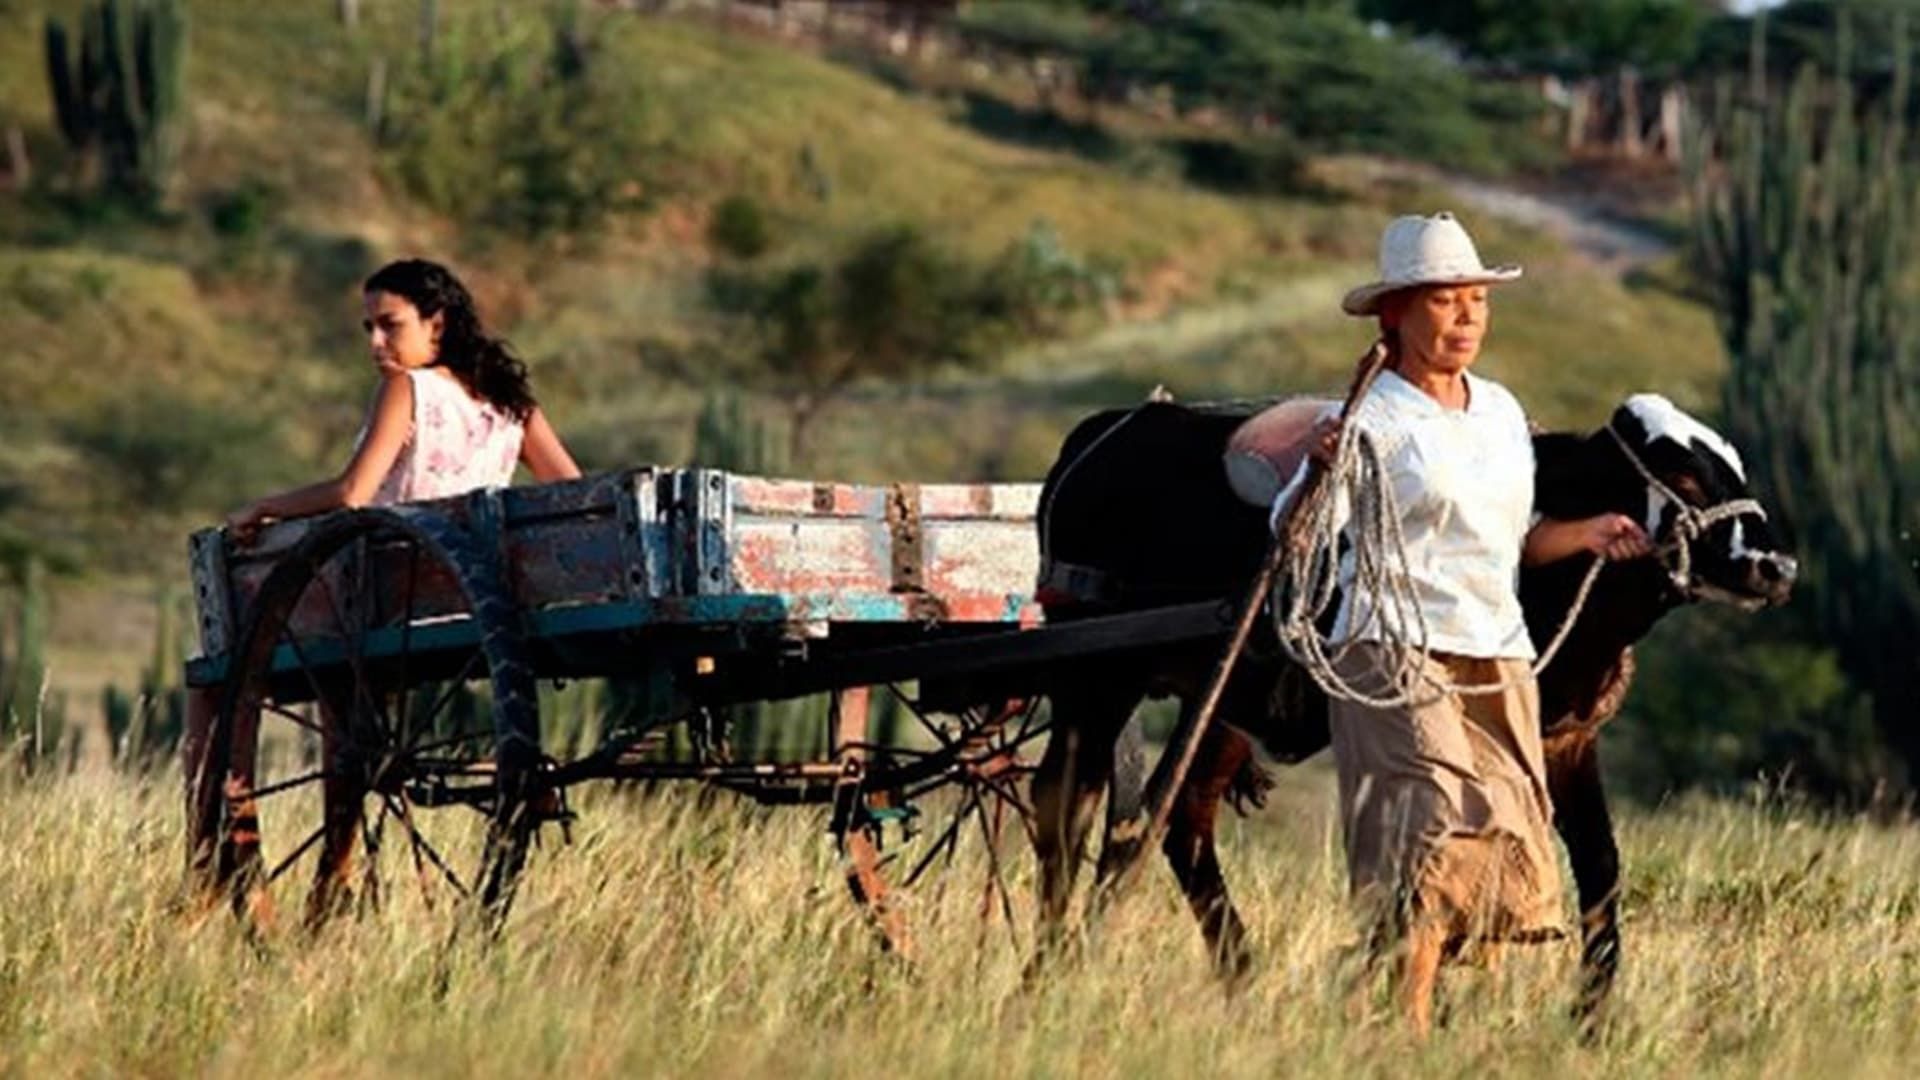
(458,443)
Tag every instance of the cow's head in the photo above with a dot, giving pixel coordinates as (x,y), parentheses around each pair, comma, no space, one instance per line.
(1736,559)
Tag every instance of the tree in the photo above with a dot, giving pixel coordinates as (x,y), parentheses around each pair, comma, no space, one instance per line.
(512,121)
(1576,35)
(1803,32)
(1805,206)
(894,306)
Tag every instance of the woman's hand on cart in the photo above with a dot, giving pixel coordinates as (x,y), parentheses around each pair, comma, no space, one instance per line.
(244,524)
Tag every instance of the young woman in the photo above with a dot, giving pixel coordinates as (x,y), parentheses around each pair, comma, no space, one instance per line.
(453,411)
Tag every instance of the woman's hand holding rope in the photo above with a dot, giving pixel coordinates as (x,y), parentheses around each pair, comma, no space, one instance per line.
(1615,537)
(1307,582)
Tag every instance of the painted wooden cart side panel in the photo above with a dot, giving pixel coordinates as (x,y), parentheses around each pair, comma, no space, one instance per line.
(562,544)
(955,543)
(674,546)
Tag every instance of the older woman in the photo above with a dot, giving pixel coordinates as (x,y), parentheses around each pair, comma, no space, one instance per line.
(1444,800)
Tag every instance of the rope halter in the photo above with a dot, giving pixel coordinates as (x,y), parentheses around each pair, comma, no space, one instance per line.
(1692,522)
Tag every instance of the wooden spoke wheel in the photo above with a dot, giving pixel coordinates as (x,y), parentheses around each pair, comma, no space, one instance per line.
(986,751)
(994,759)
(376,739)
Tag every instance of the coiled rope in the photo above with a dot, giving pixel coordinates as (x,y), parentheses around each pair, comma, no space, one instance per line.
(1308,581)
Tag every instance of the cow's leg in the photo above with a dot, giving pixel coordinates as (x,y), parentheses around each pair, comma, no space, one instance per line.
(1580,813)
(1066,791)
(1126,826)
(1189,847)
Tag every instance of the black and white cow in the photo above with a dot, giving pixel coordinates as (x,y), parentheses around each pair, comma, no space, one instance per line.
(1138,503)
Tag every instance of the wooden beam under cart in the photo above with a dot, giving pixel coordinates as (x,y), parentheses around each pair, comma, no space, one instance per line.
(1011,659)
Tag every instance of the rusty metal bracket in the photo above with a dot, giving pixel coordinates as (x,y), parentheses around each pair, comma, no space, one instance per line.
(908,548)
(909,554)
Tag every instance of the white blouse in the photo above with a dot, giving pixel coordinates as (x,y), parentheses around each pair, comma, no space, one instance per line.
(1463,479)
(457,444)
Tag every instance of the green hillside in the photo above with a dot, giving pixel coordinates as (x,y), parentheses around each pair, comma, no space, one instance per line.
(160,368)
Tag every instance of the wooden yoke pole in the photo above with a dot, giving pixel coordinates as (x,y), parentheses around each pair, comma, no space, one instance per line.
(1171,770)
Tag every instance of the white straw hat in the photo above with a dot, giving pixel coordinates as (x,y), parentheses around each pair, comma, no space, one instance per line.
(1419,250)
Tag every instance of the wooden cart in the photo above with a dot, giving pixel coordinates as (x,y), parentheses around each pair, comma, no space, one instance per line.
(365,703)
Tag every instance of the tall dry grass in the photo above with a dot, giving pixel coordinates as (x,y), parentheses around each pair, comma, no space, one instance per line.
(682,936)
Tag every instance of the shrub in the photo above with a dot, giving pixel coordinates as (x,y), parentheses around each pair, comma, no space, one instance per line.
(171,455)
(1036,283)
(1722,698)
(1027,28)
(243,212)
(895,305)
(510,124)
(1270,165)
(739,227)
(1320,73)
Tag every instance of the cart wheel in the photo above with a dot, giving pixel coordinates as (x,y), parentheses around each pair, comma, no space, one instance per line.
(378,725)
(989,746)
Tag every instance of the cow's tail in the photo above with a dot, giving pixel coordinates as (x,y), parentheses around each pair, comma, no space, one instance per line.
(1247,791)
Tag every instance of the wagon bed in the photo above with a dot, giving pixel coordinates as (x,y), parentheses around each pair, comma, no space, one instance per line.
(800,586)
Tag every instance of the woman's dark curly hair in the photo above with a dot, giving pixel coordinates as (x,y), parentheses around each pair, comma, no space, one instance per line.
(484,364)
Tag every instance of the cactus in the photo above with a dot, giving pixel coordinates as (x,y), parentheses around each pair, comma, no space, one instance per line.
(118,100)
(6,671)
(144,727)
(1805,201)
(27,672)
(571,51)
(813,173)
(56,742)
(167,664)
(119,710)
(429,30)
(23,726)
(748,725)
(160,718)
(724,437)
(376,106)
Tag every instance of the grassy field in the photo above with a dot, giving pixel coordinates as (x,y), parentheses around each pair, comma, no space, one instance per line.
(677,937)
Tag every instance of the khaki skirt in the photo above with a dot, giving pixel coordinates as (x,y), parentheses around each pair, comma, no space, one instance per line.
(1444,803)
